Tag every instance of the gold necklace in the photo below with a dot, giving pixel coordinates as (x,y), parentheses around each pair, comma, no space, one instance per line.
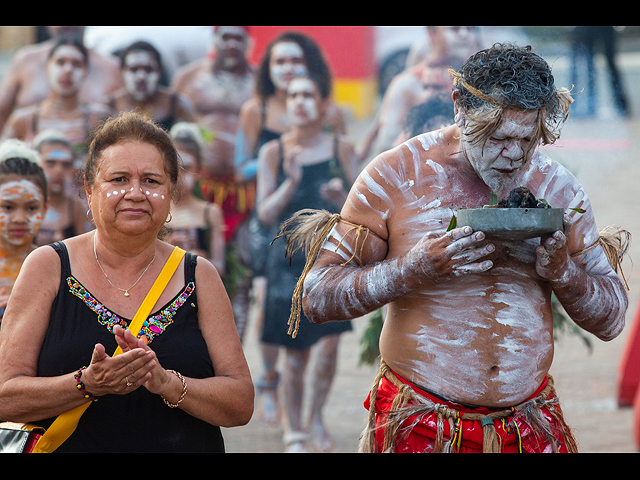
(126,292)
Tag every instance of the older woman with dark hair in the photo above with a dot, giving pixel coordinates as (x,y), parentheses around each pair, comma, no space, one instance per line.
(177,381)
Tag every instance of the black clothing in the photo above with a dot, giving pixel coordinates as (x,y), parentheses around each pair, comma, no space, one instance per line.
(283,273)
(138,421)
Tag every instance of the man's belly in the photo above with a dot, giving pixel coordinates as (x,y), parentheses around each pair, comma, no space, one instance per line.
(480,339)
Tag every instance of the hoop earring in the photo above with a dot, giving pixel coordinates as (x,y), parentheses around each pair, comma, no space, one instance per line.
(170,218)
(88,212)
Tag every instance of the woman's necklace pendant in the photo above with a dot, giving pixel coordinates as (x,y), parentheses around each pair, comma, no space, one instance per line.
(126,293)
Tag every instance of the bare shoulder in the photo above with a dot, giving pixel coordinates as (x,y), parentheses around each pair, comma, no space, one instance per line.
(270,151)
(207,277)
(555,183)
(42,259)
(40,272)
(214,306)
(185,73)
(251,107)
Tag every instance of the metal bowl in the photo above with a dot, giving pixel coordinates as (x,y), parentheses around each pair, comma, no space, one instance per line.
(512,224)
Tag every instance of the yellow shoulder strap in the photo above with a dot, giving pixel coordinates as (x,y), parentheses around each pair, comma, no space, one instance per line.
(66,423)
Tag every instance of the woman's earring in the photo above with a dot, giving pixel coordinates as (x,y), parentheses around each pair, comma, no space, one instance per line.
(170,218)
(88,212)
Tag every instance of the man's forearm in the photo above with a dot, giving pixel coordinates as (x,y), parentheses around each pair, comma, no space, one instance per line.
(337,292)
(597,303)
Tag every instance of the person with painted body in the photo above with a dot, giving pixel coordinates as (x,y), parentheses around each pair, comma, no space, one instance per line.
(141,66)
(449,46)
(262,119)
(63,110)
(183,376)
(217,87)
(65,216)
(23,206)
(306,167)
(25,83)
(469,322)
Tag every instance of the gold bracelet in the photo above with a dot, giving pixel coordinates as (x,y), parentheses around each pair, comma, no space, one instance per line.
(184,390)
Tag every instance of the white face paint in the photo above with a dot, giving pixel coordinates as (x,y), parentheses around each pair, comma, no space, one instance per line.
(65,70)
(57,163)
(287,62)
(501,159)
(230,43)
(303,101)
(141,75)
(22,210)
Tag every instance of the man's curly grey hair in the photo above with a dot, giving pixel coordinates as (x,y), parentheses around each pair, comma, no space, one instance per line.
(507,76)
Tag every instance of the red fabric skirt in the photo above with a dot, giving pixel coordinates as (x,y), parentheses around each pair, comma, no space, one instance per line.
(237,200)
(515,433)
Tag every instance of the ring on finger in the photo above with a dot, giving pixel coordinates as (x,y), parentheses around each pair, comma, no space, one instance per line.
(129,384)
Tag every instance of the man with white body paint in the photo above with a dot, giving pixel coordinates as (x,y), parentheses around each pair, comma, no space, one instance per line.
(217,86)
(468,336)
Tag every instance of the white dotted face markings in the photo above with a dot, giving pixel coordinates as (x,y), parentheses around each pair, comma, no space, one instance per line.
(146,192)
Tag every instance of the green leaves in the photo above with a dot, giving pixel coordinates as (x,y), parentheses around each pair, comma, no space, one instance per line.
(453,223)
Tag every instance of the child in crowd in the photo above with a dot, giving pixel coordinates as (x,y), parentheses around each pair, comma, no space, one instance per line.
(196,225)
(23,205)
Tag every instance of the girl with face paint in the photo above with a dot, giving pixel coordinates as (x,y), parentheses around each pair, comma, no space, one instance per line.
(305,168)
(264,117)
(142,72)
(66,70)
(23,205)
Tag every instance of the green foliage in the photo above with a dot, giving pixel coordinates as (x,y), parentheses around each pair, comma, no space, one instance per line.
(452,224)
(236,273)
(370,341)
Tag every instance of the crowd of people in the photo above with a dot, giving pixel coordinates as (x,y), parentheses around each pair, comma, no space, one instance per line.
(113,168)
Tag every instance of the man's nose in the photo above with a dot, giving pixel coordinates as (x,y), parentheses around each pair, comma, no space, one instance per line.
(513,150)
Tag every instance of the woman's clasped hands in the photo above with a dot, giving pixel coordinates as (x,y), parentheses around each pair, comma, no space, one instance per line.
(136,366)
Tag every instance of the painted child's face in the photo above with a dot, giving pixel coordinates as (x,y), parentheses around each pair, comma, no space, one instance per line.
(22,209)
(189,173)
